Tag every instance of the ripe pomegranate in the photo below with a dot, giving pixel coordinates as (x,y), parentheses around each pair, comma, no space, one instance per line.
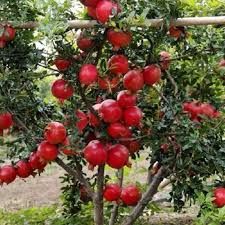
(55,133)
(130,195)
(118,130)
(85,43)
(219,194)
(207,110)
(91,3)
(9,33)
(118,64)
(93,120)
(88,74)
(132,116)
(119,39)
(36,163)
(110,111)
(133,146)
(165,60)
(118,156)
(106,9)
(152,74)
(176,32)
(125,99)
(7,174)
(95,153)
(62,64)
(62,90)
(91,12)
(133,80)
(107,83)
(66,149)
(112,192)
(23,169)
(82,121)
(47,151)
(6,120)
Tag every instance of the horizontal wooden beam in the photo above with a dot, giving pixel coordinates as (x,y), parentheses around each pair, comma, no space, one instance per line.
(188,21)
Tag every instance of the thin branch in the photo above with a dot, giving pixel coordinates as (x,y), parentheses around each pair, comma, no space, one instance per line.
(114,213)
(173,82)
(147,197)
(98,198)
(77,175)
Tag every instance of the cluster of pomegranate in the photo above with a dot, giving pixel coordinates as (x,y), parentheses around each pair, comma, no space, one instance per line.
(197,111)
(129,195)
(8,34)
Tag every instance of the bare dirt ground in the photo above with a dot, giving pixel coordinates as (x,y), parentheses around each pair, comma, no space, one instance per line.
(45,190)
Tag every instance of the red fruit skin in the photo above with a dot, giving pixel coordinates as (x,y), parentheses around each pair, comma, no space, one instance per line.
(175,32)
(95,153)
(82,122)
(6,120)
(107,83)
(91,12)
(132,116)
(164,147)
(2,43)
(133,146)
(152,74)
(118,156)
(207,110)
(91,3)
(93,120)
(55,133)
(9,33)
(119,39)
(47,151)
(118,64)
(23,169)
(62,90)
(85,43)
(7,174)
(104,10)
(133,80)
(125,99)
(219,194)
(112,192)
(165,60)
(62,64)
(66,149)
(35,162)
(110,111)
(130,195)
(118,130)
(88,74)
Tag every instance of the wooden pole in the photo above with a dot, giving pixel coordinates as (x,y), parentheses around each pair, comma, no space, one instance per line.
(188,21)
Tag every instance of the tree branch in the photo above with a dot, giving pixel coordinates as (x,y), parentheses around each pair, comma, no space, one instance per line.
(77,175)
(147,197)
(114,213)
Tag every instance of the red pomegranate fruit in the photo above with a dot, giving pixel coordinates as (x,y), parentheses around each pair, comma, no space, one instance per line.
(92,12)
(95,153)
(126,99)
(152,74)
(23,169)
(62,64)
(132,116)
(47,151)
(133,146)
(91,3)
(165,60)
(119,39)
(176,32)
(118,156)
(130,195)
(9,33)
(219,195)
(7,174)
(2,43)
(112,192)
(6,120)
(85,43)
(133,80)
(82,121)
(88,74)
(118,130)
(106,9)
(62,90)
(118,64)
(66,148)
(36,163)
(110,111)
(93,120)
(107,83)
(55,133)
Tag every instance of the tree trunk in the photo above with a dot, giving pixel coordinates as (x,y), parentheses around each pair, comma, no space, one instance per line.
(98,198)
(147,197)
